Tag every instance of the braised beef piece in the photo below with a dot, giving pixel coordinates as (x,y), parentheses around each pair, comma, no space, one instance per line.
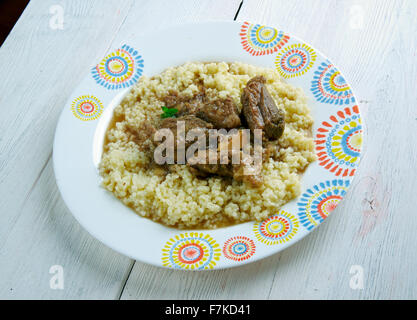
(230,170)
(181,142)
(222,113)
(222,165)
(204,170)
(243,171)
(190,122)
(185,105)
(260,110)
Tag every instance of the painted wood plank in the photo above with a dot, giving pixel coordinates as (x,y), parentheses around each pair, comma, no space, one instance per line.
(43,67)
(46,235)
(36,230)
(374,226)
(368,228)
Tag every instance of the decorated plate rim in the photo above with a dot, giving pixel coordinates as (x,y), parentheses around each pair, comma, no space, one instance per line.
(200,249)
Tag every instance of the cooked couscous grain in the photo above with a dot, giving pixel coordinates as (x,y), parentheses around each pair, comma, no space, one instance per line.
(181,199)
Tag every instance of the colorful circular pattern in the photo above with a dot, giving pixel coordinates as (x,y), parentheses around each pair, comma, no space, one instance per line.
(295,60)
(339,142)
(278,228)
(329,86)
(317,202)
(260,40)
(87,107)
(239,248)
(194,251)
(119,69)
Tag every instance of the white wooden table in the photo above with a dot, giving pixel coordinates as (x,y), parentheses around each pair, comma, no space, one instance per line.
(373,42)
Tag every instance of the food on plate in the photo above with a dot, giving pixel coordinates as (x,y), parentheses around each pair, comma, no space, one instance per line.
(227,111)
(260,109)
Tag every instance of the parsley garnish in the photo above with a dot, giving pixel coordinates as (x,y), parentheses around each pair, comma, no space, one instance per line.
(168,112)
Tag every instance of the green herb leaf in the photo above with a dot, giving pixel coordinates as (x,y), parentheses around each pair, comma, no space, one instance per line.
(168,112)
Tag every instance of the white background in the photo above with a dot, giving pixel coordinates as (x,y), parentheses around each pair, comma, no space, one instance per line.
(374,44)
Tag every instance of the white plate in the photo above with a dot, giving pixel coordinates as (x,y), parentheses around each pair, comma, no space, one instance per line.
(80,132)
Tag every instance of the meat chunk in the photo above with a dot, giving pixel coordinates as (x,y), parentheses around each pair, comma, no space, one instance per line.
(222,113)
(206,168)
(260,110)
(214,169)
(190,122)
(244,170)
(250,100)
(273,116)
(183,138)
(185,105)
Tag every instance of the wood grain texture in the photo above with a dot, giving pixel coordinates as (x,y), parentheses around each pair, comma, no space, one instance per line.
(42,67)
(373,227)
(36,230)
